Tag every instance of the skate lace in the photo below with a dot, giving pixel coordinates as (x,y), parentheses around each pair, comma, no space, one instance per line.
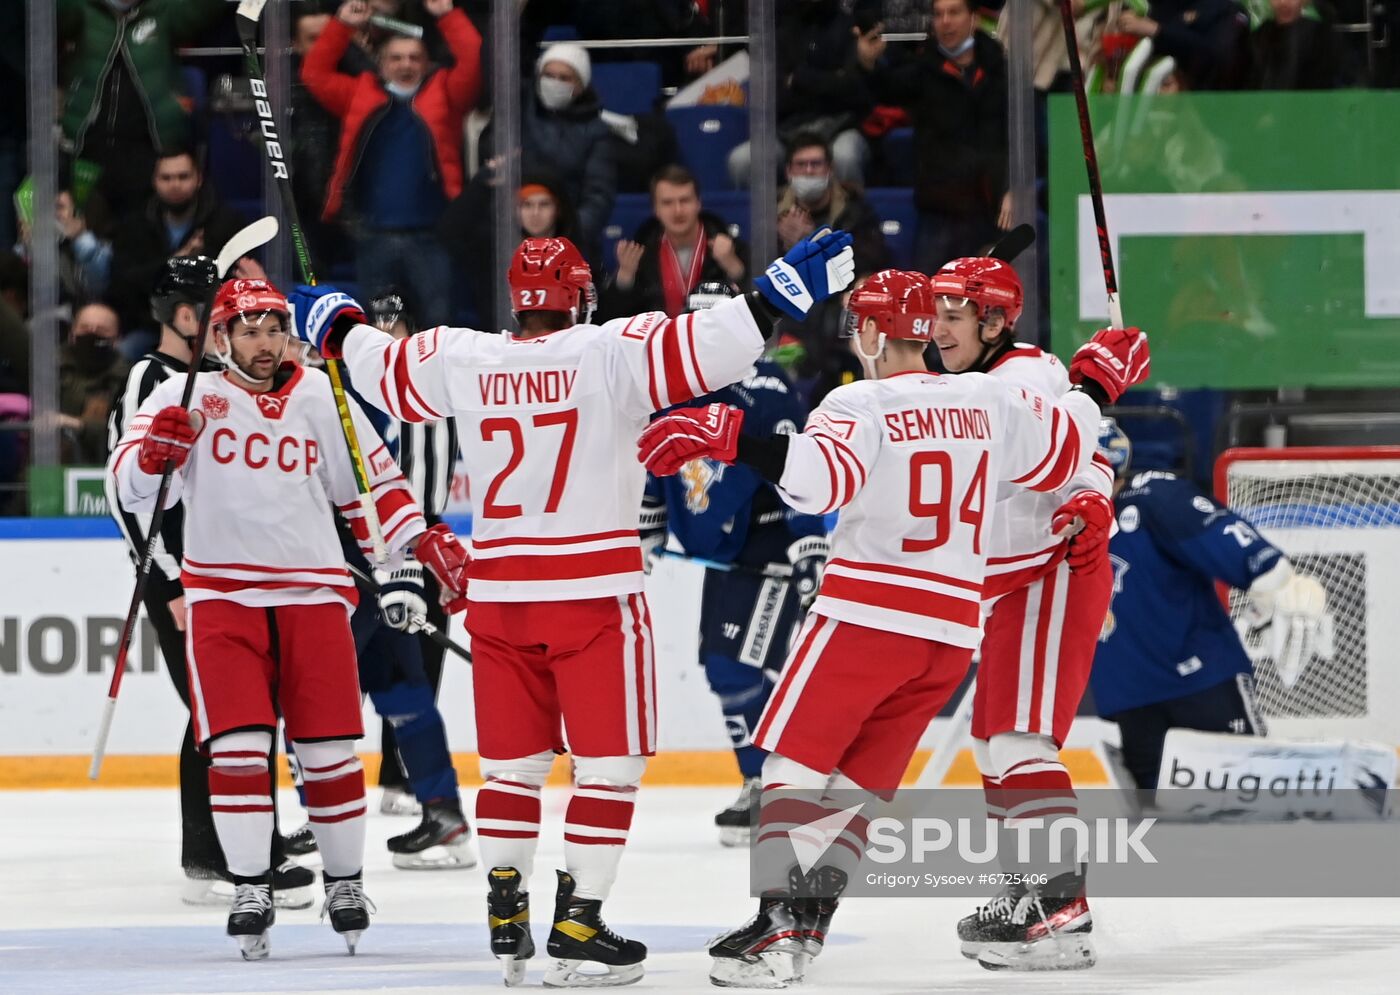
(1007,904)
(251,898)
(346,895)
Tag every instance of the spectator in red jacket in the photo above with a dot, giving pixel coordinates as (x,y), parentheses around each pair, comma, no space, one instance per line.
(400,156)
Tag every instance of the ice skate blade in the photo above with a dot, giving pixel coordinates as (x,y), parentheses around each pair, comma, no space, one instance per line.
(455,856)
(1065,952)
(253,947)
(735,835)
(971,948)
(513,971)
(566,974)
(352,939)
(218,892)
(773,969)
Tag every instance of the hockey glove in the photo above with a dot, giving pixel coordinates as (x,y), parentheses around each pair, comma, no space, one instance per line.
(1290,625)
(172,433)
(673,440)
(1114,359)
(1087,518)
(808,557)
(653,529)
(440,551)
(402,603)
(322,315)
(812,271)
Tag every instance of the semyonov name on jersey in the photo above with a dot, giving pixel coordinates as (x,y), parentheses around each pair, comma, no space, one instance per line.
(528,387)
(913,424)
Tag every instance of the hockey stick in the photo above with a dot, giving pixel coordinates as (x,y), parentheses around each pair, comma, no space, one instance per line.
(244,241)
(774,571)
(371,586)
(1091,165)
(249,12)
(1013,243)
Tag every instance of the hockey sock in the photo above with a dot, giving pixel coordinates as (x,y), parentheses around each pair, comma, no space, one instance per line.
(598,819)
(1034,785)
(240,798)
(421,738)
(508,812)
(335,803)
(793,799)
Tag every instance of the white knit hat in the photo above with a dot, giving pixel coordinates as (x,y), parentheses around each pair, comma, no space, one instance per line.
(575,56)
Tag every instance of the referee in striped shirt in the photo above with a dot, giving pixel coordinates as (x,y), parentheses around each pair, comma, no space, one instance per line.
(427,455)
(185,285)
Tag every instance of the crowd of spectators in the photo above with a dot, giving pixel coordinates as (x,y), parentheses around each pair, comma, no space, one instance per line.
(394,168)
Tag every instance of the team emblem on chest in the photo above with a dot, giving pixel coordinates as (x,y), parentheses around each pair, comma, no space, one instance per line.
(271,405)
(214,406)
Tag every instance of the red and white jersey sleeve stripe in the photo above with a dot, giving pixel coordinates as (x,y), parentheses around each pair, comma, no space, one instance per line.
(671,360)
(136,489)
(828,464)
(1048,442)
(405,378)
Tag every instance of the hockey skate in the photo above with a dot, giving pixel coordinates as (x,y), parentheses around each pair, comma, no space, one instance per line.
(508,912)
(736,822)
(814,914)
(291,886)
(1047,929)
(301,842)
(441,842)
(250,918)
(580,938)
(985,925)
(765,952)
(348,906)
(397,801)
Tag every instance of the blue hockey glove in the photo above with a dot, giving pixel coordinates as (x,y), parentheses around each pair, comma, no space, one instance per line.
(322,315)
(811,271)
(808,557)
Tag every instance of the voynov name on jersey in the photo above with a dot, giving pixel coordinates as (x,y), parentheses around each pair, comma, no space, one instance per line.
(728,513)
(1166,634)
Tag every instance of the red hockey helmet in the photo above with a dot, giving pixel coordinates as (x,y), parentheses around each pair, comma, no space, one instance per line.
(237,298)
(986,282)
(900,302)
(550,274)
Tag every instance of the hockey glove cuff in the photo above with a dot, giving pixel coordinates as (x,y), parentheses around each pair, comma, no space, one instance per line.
(808,557)
(402,603)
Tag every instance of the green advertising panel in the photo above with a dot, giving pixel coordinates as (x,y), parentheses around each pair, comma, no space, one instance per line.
(1257,235)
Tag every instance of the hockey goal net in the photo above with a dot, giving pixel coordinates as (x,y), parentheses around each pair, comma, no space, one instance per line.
(1335,513)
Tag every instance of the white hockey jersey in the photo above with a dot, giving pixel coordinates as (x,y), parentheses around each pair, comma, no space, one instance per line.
(914,462)
(258,488)
(1022,548)
(548,428)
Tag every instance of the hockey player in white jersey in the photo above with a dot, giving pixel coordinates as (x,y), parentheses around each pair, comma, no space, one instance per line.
(259,463)
(1048,587)
(913,460)
(549,417)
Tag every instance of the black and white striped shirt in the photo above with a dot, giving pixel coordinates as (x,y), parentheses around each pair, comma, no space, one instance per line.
(428,457)
(149,372)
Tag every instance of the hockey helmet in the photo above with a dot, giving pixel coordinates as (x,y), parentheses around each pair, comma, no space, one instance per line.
(707,294)
(182,280)
(1115,447)
(248,300)
(985,282)
(899,301)
(550,274)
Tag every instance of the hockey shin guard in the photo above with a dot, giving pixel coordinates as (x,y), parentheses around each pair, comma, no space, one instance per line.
(1034,785)
(508,812)
(421,738)
(240,798)
(598,819)
(335,803)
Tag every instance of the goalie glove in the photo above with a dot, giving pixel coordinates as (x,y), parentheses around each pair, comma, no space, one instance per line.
(441,552)
(402,602)
(1290,624)
(1092,513)
(652,529)
(808,557)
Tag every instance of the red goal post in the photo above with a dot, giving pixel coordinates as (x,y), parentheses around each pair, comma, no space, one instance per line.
(1335,512)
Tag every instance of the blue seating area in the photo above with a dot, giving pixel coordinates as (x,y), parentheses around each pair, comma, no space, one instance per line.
(706,135)
(627,87)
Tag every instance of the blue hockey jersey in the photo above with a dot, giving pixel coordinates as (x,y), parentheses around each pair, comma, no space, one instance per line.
(1166,634)
(728,513)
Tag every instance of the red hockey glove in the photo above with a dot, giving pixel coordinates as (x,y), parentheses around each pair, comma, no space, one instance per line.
(440,551)
(1093,513)
(1115,359)
(169,438)
(672,441)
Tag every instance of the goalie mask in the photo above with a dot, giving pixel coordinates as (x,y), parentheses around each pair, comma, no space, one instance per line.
(250,324)
(990,285)
(550,274)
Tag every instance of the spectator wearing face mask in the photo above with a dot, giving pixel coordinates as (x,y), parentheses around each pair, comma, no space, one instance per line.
(563,134)
(814,198)
(90,369)
(399,160)
(1292,52)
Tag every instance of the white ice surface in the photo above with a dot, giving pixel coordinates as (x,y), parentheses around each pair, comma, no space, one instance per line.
(90,884)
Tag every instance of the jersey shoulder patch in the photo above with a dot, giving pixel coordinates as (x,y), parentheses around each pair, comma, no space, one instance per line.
(638,327)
